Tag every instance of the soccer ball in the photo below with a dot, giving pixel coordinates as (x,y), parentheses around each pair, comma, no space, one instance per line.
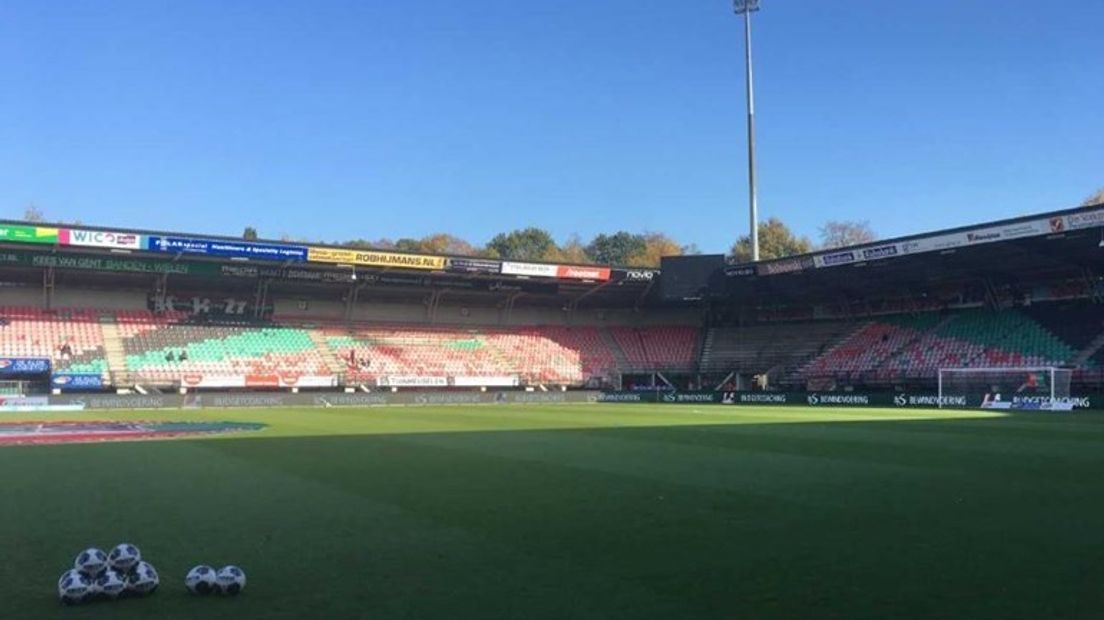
(201,580)
(91,562)
(124,557)
(231,580)
(73,587)
(142,579)
(111,584)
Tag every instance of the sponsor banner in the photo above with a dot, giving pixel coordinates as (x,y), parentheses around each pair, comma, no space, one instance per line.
(833,259)
(24,365)
(100,239)
(372,258)
(689,397)
(229,249)
(785,265)
(1086,219)
(576,272)
(72,381)
(28,234)
(845,399)
(411,381)
(621,397)
(502,381)
(262,381)
(474,265)
(929,400)
(740,271)
(635,275)
(755,398)
(198,380)
(530,269)
(308,381)
(25,403)
(882,251)
(933,244)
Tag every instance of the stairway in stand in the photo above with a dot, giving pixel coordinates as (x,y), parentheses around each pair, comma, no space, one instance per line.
(336,366)
(618,352)
(114,352)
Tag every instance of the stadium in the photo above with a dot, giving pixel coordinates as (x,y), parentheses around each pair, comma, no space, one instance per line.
(458,433)
(512,330)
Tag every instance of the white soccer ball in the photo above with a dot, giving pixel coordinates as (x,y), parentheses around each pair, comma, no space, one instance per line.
(143,579)
(124,557)
(111,584)
(73,588)
(231,580)
(201,580)
(91,562)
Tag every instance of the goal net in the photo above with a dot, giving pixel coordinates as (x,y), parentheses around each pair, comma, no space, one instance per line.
(1044,387)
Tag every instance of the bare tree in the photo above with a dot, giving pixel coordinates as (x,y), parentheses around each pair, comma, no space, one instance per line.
(33,214)
(1095,199)
(841,234)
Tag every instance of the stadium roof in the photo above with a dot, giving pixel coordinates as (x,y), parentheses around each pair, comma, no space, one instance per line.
(1015,251)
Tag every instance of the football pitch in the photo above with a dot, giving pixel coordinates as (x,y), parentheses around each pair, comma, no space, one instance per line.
(576,511)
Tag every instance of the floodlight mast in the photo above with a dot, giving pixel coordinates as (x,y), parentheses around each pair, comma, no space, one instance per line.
(746,8)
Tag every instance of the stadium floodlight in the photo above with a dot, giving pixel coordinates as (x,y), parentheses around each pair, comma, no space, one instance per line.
(746,8)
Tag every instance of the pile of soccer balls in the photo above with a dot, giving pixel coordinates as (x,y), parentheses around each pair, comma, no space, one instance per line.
(122,573)
(107,576)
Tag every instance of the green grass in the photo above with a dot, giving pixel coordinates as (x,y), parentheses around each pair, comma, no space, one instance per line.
(588,511)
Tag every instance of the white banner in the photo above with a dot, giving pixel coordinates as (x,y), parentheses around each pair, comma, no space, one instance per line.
(502,381)
(1086,219)
(529,269)
(411,381)
(308,381)
(100,239)
(197,380)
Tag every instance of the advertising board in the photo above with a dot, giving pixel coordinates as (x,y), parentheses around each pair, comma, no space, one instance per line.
(502,381)
(1089,218)
(576,272)
(411,381)
(24,365)
(77,381)
(474,265)
(530,269)
(28,234)
(100,239)
(372,258)
(227,249)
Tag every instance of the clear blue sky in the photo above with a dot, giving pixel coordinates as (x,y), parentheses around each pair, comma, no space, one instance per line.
(334,119)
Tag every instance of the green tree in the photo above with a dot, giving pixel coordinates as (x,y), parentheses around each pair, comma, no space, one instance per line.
(525,244)
(615,249)
(249,234)
(776,240)
(656,246)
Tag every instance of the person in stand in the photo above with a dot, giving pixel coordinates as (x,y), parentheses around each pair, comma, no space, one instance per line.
(183,357)
(169,357)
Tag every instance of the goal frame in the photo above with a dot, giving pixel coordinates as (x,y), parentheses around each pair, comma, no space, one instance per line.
(1051,371)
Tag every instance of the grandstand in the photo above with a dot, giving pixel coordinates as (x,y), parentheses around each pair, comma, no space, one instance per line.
(886,316)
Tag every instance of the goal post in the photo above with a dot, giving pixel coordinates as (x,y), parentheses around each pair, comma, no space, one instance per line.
(1028,387)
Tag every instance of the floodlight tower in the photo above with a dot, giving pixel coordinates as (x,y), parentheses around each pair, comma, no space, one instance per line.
(746,8)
